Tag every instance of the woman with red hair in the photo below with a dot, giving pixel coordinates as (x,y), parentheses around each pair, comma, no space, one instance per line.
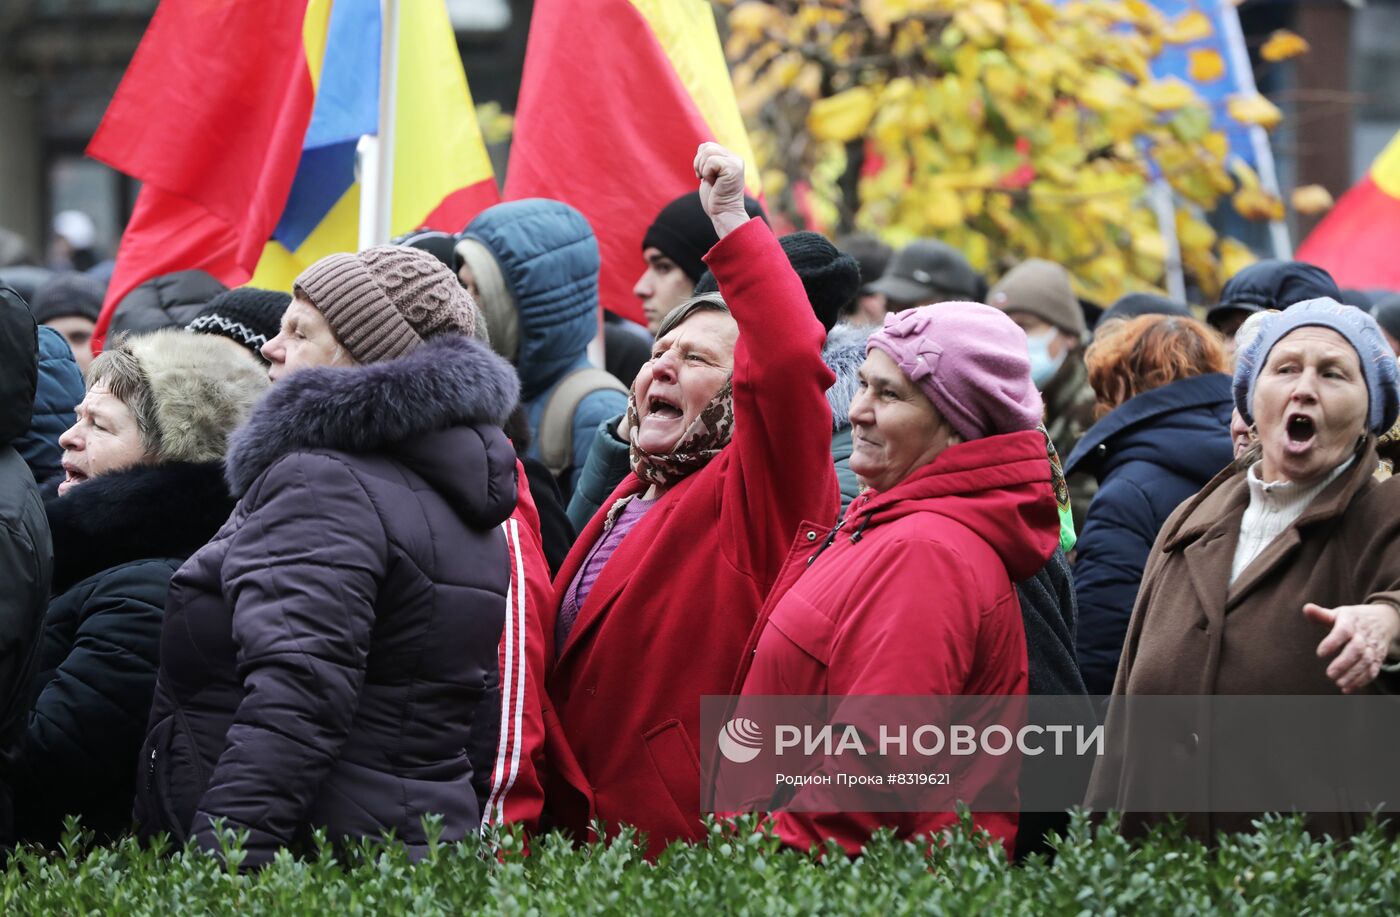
(1163,432)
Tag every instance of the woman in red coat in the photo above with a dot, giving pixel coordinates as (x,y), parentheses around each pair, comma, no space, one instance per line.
(731,457)
(913,593)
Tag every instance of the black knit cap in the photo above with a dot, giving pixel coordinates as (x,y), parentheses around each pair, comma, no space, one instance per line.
(247,315)
(69,293)
(683,232)
(830,276)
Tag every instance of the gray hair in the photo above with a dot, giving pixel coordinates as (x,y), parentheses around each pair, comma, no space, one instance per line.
(705,302)
(118,369)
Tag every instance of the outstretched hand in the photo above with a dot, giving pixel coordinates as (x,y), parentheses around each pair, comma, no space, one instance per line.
(1363,634)
(721,174)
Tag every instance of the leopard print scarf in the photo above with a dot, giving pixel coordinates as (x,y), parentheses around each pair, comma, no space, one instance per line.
(705,438)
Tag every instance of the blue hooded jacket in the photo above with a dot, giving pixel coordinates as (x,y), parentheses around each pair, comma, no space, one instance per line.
(548,257)
(59,390)
(1149,454)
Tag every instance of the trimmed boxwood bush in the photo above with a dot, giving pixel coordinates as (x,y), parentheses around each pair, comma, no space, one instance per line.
(1276,870)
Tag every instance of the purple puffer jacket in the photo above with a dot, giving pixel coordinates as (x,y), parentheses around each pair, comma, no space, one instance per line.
(328,660)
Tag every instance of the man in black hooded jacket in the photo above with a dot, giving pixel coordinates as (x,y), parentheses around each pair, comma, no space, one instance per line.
(26,552)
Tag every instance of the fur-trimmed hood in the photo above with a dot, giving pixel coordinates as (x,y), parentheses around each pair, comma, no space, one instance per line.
(449,382)
(843,354)
(166,510)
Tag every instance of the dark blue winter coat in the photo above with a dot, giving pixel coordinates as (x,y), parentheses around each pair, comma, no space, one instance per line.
(59,391)
(328,659)
(1149,454)
(548,258)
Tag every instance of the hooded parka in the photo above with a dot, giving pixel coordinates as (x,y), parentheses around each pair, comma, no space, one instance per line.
(326,659)
(548,258)
(914,595)
(59,391)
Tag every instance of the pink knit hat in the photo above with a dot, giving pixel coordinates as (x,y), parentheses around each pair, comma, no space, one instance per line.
(971,362)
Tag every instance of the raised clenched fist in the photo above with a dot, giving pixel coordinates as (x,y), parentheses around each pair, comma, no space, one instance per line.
(721,174)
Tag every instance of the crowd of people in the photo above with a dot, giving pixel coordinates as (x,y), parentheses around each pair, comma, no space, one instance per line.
(391,545)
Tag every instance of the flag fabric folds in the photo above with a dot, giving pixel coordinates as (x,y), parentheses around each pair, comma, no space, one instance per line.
(241,118)
(1358,240)
(615,97)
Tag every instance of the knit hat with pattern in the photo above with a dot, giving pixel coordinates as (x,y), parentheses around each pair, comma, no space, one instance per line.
(246,315)
(383,302)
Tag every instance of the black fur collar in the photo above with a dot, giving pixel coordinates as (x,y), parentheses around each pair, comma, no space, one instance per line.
(449,381)
(166,510)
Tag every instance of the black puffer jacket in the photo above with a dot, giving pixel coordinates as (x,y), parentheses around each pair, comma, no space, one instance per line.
(326,659)
(26,554)
(118,539)
(167,301)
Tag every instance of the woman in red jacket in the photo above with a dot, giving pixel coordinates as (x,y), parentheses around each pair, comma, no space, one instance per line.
(731,456)
(913,593)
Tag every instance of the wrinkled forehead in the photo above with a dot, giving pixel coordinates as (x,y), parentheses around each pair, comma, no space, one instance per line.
(301,313)
(1314,342)
(707,328)
(880,369)
(99,402)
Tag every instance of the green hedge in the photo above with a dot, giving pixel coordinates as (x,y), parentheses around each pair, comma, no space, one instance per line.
(1277,869)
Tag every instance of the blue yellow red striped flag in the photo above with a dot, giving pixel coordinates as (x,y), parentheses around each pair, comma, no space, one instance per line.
(252,176)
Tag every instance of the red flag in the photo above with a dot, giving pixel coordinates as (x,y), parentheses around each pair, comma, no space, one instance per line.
(215,137)
(615,97)
(1357,241)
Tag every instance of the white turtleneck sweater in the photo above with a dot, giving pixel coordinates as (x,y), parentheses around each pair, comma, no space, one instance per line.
(1273,507)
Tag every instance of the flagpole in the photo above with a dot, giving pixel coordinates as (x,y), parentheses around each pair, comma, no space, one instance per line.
(1258,137)
(1165,208)
(376,152)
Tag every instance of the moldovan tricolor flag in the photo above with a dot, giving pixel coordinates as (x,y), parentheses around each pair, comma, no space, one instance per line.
(241,118)
(1357,242)
(616,96)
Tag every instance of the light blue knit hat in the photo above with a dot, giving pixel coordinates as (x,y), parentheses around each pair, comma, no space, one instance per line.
(1378,364)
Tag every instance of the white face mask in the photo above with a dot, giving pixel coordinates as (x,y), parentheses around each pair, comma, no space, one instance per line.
(1043,366)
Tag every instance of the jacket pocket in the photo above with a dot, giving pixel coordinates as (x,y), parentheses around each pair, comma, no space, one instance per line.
(678,768)
(170,782)
(806,627)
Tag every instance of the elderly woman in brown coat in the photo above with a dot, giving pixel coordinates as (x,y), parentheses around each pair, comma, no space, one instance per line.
(1282,576)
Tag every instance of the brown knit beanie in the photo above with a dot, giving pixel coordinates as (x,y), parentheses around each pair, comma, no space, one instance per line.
(383,302)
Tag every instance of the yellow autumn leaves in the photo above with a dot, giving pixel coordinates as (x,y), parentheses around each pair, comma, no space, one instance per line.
(842,117)
(1008,128)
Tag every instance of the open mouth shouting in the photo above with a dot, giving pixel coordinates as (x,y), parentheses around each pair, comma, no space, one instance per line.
(1300,432)
(662,408)
(71,478)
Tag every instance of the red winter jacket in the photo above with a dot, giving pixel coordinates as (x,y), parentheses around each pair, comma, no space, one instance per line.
(923,602)
(670,614)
